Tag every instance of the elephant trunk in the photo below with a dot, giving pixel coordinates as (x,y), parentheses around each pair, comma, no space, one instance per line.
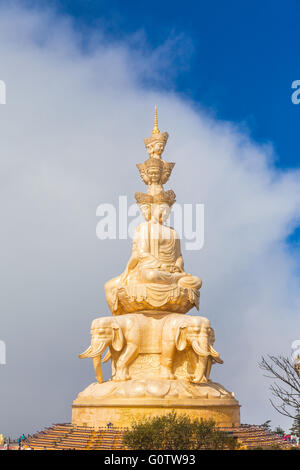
(199,348)
(200,344)
(98,369)
(200,362)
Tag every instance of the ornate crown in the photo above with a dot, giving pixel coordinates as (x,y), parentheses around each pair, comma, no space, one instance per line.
(153,162)
(161,137)
(156,136)
(164,197)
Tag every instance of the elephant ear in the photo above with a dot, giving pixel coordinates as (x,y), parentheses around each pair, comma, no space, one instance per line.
(180,338)
(118,338)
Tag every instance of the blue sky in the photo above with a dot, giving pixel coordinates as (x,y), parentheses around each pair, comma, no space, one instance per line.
(237,59)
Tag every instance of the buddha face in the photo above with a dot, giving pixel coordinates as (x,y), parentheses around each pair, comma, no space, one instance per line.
(146,211)
(155,148)
(160,212)
(154,174)
(158,148)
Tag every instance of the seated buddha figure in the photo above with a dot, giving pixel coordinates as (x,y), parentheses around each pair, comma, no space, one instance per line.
(154,276)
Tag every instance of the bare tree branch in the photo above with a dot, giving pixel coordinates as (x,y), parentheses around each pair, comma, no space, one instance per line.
(286,388)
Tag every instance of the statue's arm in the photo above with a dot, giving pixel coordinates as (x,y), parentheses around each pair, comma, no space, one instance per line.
(132,263)
(179,263)
(129,267)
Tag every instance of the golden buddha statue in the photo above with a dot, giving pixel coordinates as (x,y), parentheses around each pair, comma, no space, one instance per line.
(161,359)
(154,276)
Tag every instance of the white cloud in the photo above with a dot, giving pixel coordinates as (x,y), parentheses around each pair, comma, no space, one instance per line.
(71,133)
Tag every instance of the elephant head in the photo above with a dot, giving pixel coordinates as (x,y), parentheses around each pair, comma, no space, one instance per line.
(182,333)
(106,332)
(195,335)
(193,331)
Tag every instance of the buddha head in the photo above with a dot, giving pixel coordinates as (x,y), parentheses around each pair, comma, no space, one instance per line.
(158,207)
(160,212)
(145,211)
(154,169)
(155,145)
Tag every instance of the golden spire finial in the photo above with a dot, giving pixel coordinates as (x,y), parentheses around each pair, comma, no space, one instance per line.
(155,128)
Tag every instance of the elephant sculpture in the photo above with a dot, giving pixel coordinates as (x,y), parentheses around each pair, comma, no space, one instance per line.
(193,335)
(122,336)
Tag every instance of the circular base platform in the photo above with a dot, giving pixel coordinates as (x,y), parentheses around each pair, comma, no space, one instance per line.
(123,402)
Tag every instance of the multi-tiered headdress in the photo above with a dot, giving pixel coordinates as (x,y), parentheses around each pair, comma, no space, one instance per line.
(155,146)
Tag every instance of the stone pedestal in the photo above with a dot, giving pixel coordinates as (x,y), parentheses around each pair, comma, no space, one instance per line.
(123,402)
(144,390)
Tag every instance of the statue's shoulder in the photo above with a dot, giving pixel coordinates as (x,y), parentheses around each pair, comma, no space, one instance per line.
(142,226)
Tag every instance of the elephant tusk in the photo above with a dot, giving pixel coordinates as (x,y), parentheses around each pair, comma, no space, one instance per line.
(198,350)
(99,350)
(218,360)
(85,353)
(213,352)
(215,355)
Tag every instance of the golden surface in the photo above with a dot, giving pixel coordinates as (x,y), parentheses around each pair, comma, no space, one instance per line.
(161,358)
(227,414)
(155,128)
